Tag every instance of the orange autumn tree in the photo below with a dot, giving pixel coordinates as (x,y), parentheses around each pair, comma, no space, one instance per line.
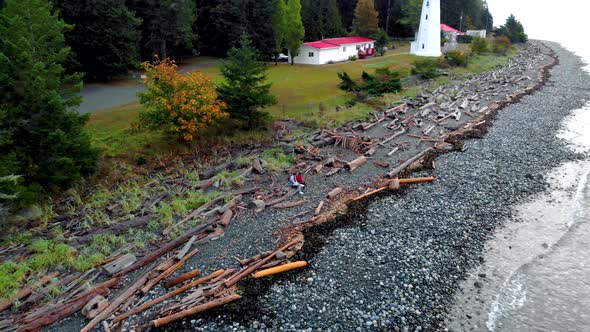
(182,105)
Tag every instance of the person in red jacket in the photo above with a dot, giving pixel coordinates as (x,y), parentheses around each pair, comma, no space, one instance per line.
(299,178)
(298,182)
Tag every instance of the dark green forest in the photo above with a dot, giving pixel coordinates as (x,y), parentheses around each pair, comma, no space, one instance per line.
(110,37)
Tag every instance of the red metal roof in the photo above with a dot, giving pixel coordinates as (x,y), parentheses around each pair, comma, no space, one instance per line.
(320,44)
(447,28)
(348,40)
(336,42)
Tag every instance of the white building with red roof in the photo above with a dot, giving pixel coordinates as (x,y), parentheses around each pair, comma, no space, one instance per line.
(334,50)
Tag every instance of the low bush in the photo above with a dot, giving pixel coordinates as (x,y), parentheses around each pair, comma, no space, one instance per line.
(277,159)
(384,81)
(352,58)
(456,59)
(427,69)
(479,45)
(501,45)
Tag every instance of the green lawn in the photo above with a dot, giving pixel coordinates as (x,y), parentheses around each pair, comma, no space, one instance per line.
(308,94)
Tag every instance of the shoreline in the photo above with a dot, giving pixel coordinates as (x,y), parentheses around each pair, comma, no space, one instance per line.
(246,225)
(295,289)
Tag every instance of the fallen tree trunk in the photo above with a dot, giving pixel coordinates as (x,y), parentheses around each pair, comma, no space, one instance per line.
(168,295)
(247,261)
(194,310)
(335,192)
(27,291)
(182,278)
(165,249)
(407,163)
(356,163)
(119,300)
(221,167)
(416,180)
(280,269)
(318,210)
(114,229)
(168,272)
(67,308)
(226,218)
(394,184)
(289,204)
(256,266)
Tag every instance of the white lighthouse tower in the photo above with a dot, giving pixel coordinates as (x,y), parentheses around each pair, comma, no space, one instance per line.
(428,41)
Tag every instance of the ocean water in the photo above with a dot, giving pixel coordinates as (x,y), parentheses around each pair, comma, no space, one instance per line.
(536,275)
(547,287)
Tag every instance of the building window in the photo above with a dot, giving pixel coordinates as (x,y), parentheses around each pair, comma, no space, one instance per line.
(310,54)
(358,47)
(427,3)
(427,17)
(422,46)
(343,48)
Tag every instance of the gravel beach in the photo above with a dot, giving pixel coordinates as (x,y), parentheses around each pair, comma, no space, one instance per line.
(398,265)
(395,262)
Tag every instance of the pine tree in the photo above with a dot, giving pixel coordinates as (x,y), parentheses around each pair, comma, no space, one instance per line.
(347,12)
(513,29)
(105,36)
(312,21)
(411,12)
(167,26)
(279,26)
(295,30)
(321,19)
(41,137)
(366,20)
(259,26)
(381,42)
(244,90)
(331,19)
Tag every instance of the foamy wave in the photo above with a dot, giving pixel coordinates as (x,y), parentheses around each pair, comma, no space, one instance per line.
(511,297)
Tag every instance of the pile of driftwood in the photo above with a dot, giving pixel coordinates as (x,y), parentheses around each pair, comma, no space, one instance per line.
(434,119)
(187,295)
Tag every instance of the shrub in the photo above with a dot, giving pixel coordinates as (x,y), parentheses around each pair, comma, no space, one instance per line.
(384,81)
(277,160)
(427,69)
(352,58)
(456,59)
(464,39)
(501,45)
(182,105)
(479,45)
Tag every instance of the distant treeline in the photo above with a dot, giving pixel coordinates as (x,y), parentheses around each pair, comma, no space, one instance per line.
(109,37)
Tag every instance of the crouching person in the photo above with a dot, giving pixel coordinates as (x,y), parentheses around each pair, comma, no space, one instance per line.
(297,181)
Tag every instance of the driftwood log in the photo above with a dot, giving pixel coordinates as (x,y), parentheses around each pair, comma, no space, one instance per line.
(195,310)
(65,309)
(182,278)
(397,170)
(356,163)
(335,192)
(280,269)
(165,248)
(168,295)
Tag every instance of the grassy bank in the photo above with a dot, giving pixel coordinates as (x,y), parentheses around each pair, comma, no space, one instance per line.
(306,94)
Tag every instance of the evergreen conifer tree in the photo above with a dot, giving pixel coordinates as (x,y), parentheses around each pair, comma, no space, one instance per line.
(295,30)
(366,19)
(41,135)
